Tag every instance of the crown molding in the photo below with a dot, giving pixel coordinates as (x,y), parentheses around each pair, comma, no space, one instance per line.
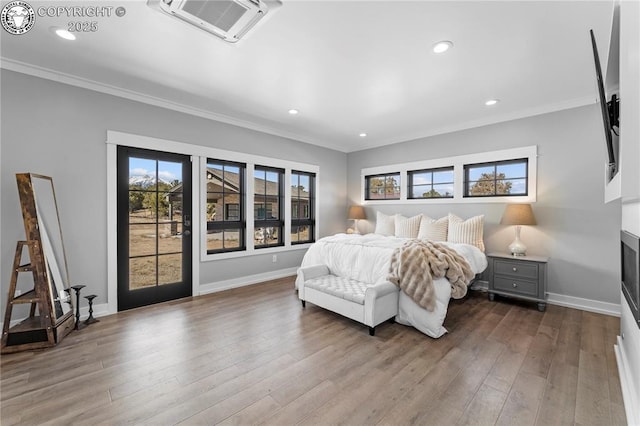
(73,80)
(496,119)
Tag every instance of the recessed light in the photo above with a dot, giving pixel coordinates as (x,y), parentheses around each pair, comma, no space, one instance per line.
(363,135)
(293,111)
(442,46)
(62,33)
(492,102)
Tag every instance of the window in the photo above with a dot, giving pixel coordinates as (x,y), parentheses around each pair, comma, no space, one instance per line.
(496,179)
(225,206)
(302,207)
(383,187)
(268,205)
(430,183)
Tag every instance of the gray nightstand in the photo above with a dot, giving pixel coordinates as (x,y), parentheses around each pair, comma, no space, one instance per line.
(523,277)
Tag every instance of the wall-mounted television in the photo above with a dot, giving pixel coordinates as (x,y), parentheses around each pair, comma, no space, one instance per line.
(610,116)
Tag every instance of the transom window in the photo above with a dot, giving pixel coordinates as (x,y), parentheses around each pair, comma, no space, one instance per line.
(383,187)
(430,183)
(225,206)
(302,207)
(496,179)
(268,206)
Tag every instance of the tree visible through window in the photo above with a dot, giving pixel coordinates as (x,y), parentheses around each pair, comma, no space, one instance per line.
(430,183)
(383,187)
(500,178)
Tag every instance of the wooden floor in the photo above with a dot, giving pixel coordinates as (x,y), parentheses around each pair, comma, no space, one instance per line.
(254,356)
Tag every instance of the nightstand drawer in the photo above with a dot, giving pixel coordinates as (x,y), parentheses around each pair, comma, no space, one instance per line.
(516,269)
(519,286)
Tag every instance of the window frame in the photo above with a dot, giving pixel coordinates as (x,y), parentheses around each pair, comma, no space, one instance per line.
(495,165)
(223,225)
(270,223)
(385,176)
(458,162)
(311,221)
(411,185)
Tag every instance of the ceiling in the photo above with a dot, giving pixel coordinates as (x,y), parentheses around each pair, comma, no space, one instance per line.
(348,66)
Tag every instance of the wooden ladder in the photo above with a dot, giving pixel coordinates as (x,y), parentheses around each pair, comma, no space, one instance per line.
(36,331)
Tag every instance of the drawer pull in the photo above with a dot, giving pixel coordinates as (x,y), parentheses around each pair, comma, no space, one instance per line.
(515,285)
(515,269)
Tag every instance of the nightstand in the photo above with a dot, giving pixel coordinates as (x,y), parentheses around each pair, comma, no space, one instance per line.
(522,277)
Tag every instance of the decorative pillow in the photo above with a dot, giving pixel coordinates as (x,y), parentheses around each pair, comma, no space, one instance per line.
(432,229)
(466,231)
(407,227)
(385,224)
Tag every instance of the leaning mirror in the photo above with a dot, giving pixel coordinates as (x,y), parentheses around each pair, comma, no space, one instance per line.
(48,226)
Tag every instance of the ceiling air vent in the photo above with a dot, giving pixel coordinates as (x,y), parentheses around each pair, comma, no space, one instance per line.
(228,19)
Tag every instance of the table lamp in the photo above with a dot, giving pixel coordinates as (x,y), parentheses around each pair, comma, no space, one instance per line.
(355,213)
(518,214)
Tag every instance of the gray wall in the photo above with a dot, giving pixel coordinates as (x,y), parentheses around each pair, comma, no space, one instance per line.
(575,228)
(60,131)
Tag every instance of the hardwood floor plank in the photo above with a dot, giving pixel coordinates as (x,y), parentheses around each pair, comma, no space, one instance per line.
(253,355)
(252,414)
(523,401)
(298,409)
(592,400)
(484,408)
(559,399)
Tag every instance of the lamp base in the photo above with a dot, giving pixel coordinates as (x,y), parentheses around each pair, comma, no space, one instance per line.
(355,227)
(517,248)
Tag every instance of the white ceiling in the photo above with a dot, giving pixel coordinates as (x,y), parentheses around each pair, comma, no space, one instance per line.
(347,66)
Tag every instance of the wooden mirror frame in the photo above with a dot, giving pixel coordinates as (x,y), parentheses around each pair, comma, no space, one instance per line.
(42,224)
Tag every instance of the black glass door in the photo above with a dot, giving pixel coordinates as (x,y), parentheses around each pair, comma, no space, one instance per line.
(154,227)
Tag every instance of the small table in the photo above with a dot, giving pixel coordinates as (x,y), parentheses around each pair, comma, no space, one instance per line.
(522,277)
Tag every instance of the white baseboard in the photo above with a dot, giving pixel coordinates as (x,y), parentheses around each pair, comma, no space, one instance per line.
(243,281)
(589,305)
(629,392)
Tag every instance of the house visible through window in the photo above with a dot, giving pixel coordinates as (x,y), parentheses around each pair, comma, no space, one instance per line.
(302,207)
(382,187)
(268,206)
(496,179)
(430,183)
(225,206)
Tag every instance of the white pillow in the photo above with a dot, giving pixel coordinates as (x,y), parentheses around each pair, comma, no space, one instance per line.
(407,227)
(385,224)
(466,231)
(432,229)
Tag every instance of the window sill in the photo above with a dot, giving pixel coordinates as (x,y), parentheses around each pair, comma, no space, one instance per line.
(253,252)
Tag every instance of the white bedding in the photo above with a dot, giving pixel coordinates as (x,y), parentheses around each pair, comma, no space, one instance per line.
(366,258)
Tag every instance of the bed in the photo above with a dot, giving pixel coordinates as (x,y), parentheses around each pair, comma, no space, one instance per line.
(366,258)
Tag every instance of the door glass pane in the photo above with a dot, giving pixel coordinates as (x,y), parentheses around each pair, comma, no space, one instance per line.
(169,175)
(169,268)
(142,240)
(142,272)
(168,243)
(142,173)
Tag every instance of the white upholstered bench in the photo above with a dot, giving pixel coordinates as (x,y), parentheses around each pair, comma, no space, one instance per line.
(369,304)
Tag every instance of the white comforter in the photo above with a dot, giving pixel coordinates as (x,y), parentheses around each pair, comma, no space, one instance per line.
(366,258)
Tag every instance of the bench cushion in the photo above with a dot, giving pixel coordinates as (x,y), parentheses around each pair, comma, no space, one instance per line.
(343,288)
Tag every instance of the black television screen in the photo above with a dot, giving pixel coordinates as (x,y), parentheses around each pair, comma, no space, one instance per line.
(609,113)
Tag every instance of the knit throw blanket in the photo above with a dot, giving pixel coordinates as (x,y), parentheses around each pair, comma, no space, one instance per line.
(414,266)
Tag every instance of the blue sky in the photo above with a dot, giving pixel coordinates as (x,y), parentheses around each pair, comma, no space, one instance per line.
(167,171)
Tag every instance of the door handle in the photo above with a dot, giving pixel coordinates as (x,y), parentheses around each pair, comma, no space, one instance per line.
(187,221)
